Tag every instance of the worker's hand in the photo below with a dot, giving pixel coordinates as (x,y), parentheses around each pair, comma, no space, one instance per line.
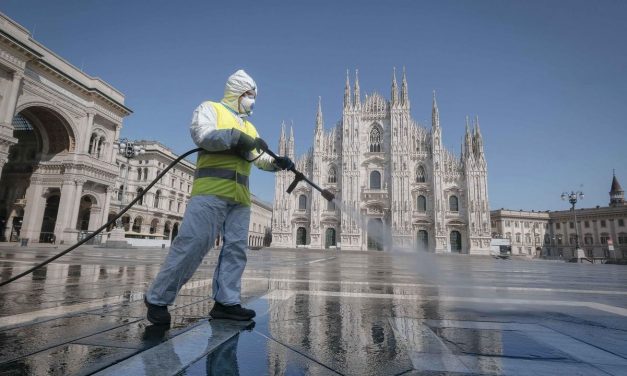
(260,144)
(243,142)
(284,163)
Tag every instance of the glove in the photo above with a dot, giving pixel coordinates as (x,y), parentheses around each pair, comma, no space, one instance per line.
(244,143)
(260,144)
(284,163)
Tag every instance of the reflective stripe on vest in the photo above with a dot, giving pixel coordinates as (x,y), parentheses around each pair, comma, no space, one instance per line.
(222,173)
(225,174)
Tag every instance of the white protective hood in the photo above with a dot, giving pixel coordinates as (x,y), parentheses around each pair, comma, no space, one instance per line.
(236,85)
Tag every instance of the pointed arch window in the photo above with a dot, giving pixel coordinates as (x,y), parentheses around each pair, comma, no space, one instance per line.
(302,202)
(375,140)
(332,176)
(421,177)
(453,204)
(375,180)
(422,203)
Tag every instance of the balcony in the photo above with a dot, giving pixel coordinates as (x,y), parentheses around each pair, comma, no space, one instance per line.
(369,194)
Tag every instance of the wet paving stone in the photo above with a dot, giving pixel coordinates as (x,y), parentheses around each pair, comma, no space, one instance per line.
(502,343)
(338,333)
(141,334)
(253,354)
(69,359)
(29,339)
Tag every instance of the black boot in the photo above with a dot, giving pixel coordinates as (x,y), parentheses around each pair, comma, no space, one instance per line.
(233,312)
(157,314)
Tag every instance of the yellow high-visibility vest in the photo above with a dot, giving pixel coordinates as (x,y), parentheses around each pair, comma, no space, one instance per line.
(225,175)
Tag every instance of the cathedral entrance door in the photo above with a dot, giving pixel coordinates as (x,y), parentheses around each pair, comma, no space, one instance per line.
(375,234)
(329,238)
(456,242)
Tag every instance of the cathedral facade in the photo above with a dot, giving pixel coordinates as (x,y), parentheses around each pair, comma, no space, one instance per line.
(395,183)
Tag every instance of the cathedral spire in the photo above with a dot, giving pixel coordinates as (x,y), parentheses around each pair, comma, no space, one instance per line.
(435,113)
(282,141)
(477,138)
(468,147)
(394,95)
(404,92)
(347,92)
(319,120)
(357,90)
(290,143)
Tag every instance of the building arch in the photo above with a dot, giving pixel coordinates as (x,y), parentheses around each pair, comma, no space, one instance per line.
(137,223)
(330,238)
(453,203)
(167,229)
(301,236)
(375,234)
(175,230)
(87,203)
(154,224)
(302,202)
(422,240)
(56,126)
(421,203)
(375,180)
(456,241)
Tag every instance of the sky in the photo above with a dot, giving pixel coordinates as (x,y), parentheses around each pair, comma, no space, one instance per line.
(548,79)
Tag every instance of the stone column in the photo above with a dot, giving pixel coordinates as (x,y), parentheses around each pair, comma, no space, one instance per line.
(106,205)
(3,156)
(88,128)
(116,138)
(8,110)
(95,215)
(33,211)
(69,206)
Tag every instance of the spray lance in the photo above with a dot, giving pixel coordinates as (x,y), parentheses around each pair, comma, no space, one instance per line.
(298,176)
(261,145)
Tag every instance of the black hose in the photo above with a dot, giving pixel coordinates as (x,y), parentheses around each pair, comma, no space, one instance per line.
(111,221)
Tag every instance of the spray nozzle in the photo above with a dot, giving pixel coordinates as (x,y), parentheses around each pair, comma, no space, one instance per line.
(327,195)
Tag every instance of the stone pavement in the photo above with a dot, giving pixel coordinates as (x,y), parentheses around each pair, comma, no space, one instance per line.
(319,313)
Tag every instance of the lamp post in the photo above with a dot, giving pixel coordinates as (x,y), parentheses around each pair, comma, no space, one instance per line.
(572,197)
(129,149)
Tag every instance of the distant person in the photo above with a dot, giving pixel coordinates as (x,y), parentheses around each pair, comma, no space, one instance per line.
(220,203)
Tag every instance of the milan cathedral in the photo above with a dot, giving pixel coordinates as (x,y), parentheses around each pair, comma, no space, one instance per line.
(395,183)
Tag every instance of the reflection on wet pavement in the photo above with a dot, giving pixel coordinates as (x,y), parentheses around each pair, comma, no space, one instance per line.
(319,313)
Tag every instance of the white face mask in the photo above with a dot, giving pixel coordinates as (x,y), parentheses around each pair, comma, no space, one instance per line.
(246,105)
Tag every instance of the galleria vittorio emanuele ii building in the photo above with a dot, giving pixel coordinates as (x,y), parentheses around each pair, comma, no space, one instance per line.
(408,189)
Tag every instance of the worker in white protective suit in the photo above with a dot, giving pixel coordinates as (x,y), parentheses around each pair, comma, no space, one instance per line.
(220,203)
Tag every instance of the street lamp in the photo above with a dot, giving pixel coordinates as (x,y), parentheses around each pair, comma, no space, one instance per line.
(572,197)
(130,150)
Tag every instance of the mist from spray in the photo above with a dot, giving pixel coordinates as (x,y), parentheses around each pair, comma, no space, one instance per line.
(424,262)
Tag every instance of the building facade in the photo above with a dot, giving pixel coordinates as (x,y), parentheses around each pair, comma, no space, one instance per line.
(395,183)
(260,227)
(159,213)
(555,234)
(597,230)
(57,127)
(524,229)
